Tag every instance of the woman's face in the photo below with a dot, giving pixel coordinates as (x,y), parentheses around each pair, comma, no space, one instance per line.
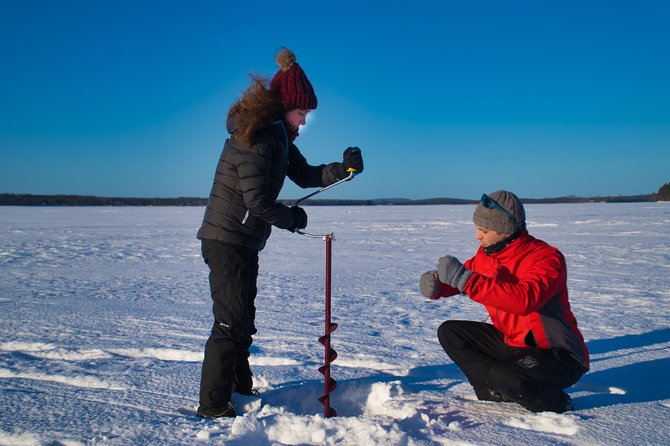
(296,117)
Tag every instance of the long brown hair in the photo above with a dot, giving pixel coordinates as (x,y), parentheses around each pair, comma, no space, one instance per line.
(256,109)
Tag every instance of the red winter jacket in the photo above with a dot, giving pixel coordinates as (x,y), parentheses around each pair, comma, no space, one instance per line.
(524,289)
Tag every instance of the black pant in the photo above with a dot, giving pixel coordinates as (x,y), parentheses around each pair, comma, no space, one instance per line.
(232,281)
(533,377)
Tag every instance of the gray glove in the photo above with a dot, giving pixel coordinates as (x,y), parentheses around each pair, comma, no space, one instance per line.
(453,273)
(429,285)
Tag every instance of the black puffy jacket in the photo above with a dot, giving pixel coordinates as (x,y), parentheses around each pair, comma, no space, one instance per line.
(242,206)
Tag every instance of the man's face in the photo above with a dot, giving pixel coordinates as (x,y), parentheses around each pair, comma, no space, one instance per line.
(487,238)
(296,117)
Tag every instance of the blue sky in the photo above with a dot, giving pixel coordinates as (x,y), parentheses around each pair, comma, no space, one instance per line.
(445,98)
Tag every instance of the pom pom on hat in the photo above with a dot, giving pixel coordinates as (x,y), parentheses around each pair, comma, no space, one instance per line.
(291,83)
(284,59)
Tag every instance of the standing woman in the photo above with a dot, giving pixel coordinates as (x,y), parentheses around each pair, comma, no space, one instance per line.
(242,208)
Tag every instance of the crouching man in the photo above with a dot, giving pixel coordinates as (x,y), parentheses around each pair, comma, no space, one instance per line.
(533,350)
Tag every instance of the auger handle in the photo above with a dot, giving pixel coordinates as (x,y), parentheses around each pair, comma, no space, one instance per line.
(351,171)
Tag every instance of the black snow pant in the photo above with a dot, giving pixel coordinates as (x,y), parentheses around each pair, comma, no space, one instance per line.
(532,377)
(232,281)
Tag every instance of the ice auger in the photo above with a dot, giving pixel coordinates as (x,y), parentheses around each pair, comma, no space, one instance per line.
(330,354)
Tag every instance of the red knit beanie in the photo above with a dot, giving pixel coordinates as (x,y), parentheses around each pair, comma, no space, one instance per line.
(291,83)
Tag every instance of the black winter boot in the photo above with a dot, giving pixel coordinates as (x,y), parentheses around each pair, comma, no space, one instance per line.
(567,404)
(486,393)
(226,410)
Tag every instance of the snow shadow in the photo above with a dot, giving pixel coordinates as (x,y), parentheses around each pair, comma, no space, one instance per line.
(600,346)
(641,382)
(638,382)
(359,396)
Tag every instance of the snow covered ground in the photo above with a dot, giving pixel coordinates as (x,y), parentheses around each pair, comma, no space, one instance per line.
(105,312)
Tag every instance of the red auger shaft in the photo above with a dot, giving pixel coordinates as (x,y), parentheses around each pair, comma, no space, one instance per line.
(330,354)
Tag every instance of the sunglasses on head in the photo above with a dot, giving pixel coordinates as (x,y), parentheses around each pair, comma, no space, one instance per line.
(490,203)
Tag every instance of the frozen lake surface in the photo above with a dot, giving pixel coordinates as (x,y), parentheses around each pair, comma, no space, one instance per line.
(105,312)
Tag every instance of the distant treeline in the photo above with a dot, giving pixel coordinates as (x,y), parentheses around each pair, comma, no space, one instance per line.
(86,200)
(404,201)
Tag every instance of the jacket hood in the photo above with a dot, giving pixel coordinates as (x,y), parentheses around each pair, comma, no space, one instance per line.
(232,123)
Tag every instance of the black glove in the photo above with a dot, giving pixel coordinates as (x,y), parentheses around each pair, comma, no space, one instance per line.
(453,273)
(352,159)
(299,218)
(429,285)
